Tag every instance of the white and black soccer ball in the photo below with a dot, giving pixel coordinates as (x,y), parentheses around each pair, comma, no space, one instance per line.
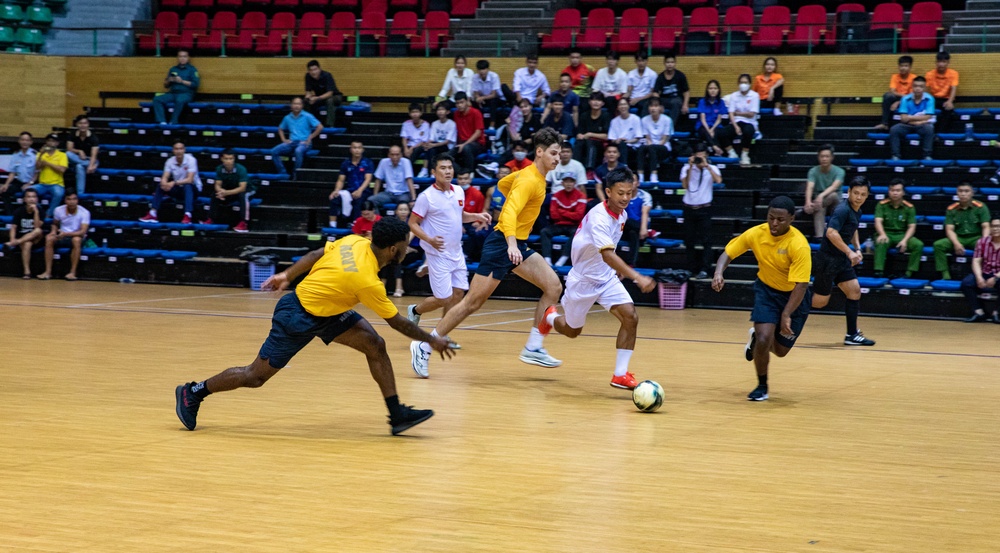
(647,396)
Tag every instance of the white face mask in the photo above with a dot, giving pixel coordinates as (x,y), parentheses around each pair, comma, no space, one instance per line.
(744,87)
(520,155)
(466,186)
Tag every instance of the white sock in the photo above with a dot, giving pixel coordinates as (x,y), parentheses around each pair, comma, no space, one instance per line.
(621,361)
(427,347)
(548,260)
(188,213)
(534,340)
(551,319)
(562,261)
(152,212)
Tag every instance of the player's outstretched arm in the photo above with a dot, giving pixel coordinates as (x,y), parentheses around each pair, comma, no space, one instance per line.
(403,326)
(720,266)
(645,283)
(280,281)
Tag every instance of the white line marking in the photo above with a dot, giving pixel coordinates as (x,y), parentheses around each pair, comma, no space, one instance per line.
(81,305)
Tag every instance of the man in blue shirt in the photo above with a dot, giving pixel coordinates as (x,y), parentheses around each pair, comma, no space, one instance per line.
(21,172)
(301,128)
(916,115)
(181,83)
(353,185)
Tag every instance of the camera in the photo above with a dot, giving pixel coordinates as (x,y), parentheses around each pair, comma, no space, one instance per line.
(698,160)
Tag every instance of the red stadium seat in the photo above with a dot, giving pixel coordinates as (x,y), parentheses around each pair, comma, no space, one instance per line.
(632,31)
(379,6)
(164,26)
(401,31)
(703,29)
(232,5)
(464,8)
(437,29)
(312,29)
(886,28)
(810,27)
(925,23)
(172,4)
(667,27)
(774,25)
(404,5)
(282,25)
(257,4)
(194,25)
(565,24)
(737,30)
(372,33)
(831,37)
(201,4)
(600,28)
(222,22)
(340,38)
(344,4)
(284,4)
(315,4)
(692,3)
(253,27)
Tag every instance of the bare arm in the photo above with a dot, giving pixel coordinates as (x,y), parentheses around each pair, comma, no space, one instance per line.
(834,237)
(949,232)
(281,280)
(880,229)
(911,230)
(315,133)
(986,229)
(977,269)
(618,264)
(403,326)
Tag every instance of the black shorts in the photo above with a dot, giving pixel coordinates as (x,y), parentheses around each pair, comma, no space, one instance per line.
(494,261)
(292,327)
(830,270)
(768,305)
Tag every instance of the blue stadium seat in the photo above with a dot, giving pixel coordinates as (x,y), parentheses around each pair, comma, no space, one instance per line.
(908,283)
(973,162)
(968,111)
(947,285)
(878,135)
(666,213)
(336,231)
(951,136)
(902,162)
(923,189)
(665,243)
(864,162)
(935,219)
(869,282)
(935,163)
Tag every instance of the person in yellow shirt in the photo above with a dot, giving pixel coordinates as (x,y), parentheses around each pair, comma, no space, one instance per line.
(341,275)
(781,291)
(505,250)
(51,164)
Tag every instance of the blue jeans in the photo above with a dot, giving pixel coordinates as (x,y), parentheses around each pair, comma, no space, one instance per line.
(386,197)
(179,100)
(54,192)
(296,149)
(181,191)
(80,166)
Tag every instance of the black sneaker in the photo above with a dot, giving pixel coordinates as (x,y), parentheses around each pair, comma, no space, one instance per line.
(976,318)
(408,417)
(857,339)
(995,319)
(751,342)
(758,394)
(187,405)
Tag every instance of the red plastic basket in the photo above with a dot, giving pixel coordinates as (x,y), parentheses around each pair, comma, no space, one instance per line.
(672,296)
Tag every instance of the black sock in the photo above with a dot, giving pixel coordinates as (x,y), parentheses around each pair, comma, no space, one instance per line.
(200,390)
(851,309)
(415,311)
(762,380)
(392,402)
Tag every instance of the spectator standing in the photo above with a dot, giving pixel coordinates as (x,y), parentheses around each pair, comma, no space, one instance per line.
(671,87)
(770,86)
(916,115)
(698,177)
(487,93)
(26,229)
(362,226)
(591,133)
(567,166)
(611,81)
(458,79)
(744,107)
(641,81)
(895,226)
(322,91)
(571,102)
(711,110)
(530,83)
(180,181)
(471,132)
(942,84)
(626,131)
(965,222)
(823,186)
(181,83)
(581,74)
(302,128)
(443,135)
(415,131)
(231,190)
(396,173)
(566,210)
(81,150)
(69,228)
(657,129)
(21,172)
(50,167)
(559,120)
(611,156)
(353,185)
(900,84)
(985,274)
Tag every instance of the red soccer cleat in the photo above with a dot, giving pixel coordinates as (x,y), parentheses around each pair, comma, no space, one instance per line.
(242,227)
(625,382)
(544,327)
(186,220)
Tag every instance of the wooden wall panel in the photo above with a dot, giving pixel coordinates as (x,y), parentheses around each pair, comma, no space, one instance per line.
(33,97)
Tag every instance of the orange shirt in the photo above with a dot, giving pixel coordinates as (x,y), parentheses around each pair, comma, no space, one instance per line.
(902,85)
(516,165)
(938,85)
(762,85)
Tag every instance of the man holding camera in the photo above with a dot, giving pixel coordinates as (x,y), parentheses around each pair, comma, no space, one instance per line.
(698,177)
(181,83)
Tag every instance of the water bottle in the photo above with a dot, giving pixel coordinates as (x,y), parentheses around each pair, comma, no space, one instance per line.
(868,246)
(126,280)
(968,132)
(104,243)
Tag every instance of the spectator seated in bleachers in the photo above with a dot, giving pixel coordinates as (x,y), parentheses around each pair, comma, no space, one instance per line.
(611,81)
(181,83)
(415,132)
(637,225)
(523,123)
(823,185)
(231,187)
(69,229)
(396,173)
(744,107)
(26,229)
(487,94)
(965,222)
(698,178)
(672,89)
(21,172)
(520,159)
(458,79)
(530,83)
(566,210)
(475,202)
(321,91)
(625,130)
(559,120)
(612,158)
(581,74)
(985,274)
(895,226)
(50,170)
(352,187)
(413,254)
(571,101)
(471,132)
(567,166)
(657,129)
(916,115)
(900,84)
(362,226)
(770,86)
(640,84)
(180,181)
(591,133)
(301,128)
(711,109)
(942,84)
(442,137)
(81,150)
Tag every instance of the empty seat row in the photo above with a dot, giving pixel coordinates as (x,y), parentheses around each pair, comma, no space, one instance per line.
(27,38)
(39,16)
(456,8)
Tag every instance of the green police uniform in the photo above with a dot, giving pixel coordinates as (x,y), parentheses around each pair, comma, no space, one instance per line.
(968,223)
(895,221)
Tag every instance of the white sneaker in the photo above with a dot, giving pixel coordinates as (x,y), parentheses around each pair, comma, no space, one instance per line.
(538,357)
(422,271)
(419,359)
(562,261)
(654,178)
(745,159)
(642,177)
(548,260)
(412,315)
(423,174)
(731,153)
(777,111)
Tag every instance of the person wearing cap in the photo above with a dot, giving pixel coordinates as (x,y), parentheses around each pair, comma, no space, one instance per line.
(471,131)
(51,164)
(566,210)
(182,81)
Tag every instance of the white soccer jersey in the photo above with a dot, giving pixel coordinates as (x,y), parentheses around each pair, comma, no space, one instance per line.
(442,216)
(600,230)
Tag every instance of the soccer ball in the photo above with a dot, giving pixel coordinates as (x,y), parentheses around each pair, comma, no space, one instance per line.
(647,396)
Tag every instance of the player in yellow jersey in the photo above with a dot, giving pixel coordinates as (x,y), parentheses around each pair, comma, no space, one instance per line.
(506,250)
(781,291)
(341,275)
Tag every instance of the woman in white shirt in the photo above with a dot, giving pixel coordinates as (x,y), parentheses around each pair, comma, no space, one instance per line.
(744,107)
(458,79)
(626,132)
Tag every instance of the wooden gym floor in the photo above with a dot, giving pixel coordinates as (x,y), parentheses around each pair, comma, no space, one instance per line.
(886,449)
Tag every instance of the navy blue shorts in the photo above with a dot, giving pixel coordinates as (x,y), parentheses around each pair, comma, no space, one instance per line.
(292,327)
(494,261)
(768,304)
(830,270)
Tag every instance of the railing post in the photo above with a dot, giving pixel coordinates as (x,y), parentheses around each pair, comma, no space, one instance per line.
(156,35)
(984,37)
(809,44)
(357,43)
(895,39)
(729,45)
(95,41)
(427,43)
(649,41)
(499,41)
(222,52)
(289,44)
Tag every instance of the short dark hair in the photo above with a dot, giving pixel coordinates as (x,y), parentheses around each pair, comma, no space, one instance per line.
(26,133)
(389,231)
(565,144)
(654,101)
(640,55)
(617,175)
(613,145)
(557,99)
(826,147)
(460,57)
(575,51)
(358,140)
(461,95)
(462,170)
(612,55)
(519,144)
(898,181)
(227,152)
(442,157)
(482,64)
(597,95)
(533,57)
(31,191)
(369,205)
(415,106)
(859,180)
(71,192)
(747,75)
(782,202)
(905,59)
(391,146)
(567,75)
(312,63)
(545,138)
(176,142)
(80,117)
(185,50)
(942,56)
(669,55)
(920,79)
(965,183)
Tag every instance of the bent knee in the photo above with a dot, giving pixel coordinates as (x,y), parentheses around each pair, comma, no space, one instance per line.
(572,332)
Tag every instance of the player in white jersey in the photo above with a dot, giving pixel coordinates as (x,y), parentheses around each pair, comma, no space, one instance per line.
(436,219)
(594,277)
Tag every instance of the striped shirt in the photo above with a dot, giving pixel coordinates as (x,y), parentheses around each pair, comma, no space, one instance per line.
(990,254)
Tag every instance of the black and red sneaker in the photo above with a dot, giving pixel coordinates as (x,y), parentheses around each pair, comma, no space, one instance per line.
(187,405)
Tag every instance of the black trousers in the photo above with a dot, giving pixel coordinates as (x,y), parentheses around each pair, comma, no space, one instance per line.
(631,237)
(650,157)
(727,135)
(672,107)
(550,232)
(589,153)
(239,201)
(427,155)
(698,230)
(888,99)
(779,95)
(8,199)
(972,291)
(467,157)
(945,117)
